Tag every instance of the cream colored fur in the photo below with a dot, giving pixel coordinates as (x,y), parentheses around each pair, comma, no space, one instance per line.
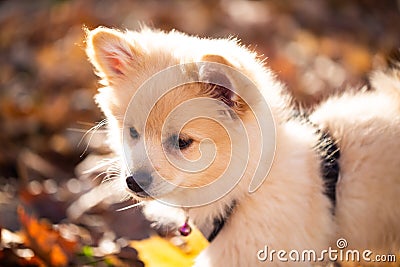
(289,211)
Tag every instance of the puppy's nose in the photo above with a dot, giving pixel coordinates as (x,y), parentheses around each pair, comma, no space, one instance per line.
(139,181)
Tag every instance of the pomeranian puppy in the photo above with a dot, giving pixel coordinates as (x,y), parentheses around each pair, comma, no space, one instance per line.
(331,175)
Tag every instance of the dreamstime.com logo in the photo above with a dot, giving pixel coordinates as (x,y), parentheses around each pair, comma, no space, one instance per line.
(340,254)
(157,88)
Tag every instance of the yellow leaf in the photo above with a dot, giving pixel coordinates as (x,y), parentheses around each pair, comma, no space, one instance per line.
(158,252)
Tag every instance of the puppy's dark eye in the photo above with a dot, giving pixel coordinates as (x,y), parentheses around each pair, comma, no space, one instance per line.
(181,142)
(184,143)
(134,134)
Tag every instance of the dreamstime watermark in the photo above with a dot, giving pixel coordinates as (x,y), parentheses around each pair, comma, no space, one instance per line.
(157,89)
(340,253)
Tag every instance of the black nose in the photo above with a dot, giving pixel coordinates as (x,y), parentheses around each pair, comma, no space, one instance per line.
(139,182)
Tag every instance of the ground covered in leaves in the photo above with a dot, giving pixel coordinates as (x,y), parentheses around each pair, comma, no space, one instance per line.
(53,211)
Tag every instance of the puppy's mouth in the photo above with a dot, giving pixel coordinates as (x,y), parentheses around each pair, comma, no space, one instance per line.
(142,196)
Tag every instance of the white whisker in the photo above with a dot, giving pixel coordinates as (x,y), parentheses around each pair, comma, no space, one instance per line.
(131,206)
(93,130)
(104,173)
(84,131)
(101,164)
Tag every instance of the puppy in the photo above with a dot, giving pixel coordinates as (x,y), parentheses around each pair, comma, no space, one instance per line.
(332,174)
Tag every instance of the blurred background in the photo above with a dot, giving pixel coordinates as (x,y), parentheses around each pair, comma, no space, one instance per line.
(47,88)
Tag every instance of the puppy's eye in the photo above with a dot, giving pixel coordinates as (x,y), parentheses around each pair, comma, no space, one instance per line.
(184,143)
(134,134)
(181,142)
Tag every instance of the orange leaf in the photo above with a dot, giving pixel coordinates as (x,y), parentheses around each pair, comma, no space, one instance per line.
(46,242)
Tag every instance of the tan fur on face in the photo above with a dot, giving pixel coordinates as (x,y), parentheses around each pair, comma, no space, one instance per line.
(217,166)
(198,129)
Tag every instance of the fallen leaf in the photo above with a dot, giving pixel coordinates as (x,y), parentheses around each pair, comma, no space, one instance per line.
(46,242)
(159,252)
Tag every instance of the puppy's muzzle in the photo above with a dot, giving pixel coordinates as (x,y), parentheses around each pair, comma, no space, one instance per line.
(139,182)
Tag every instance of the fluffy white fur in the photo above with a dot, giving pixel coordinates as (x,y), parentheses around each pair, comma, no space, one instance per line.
(290,210)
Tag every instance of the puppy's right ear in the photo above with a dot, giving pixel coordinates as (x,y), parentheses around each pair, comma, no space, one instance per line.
(110,53)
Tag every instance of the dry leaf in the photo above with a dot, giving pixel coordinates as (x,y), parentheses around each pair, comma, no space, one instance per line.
(46,242)
(158,252)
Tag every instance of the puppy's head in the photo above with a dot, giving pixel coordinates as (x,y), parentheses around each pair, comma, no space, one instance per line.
(180,137)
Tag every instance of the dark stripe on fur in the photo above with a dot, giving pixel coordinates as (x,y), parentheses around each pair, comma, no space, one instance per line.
(329,153)
(219,222)
(330,169)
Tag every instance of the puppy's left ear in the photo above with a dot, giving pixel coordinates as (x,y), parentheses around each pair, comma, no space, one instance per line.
(220,82)
(110,53)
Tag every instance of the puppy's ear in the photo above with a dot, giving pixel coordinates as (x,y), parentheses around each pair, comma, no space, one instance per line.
(110,53)
(220,81)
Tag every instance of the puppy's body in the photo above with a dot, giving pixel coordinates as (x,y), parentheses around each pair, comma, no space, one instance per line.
(290,210)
